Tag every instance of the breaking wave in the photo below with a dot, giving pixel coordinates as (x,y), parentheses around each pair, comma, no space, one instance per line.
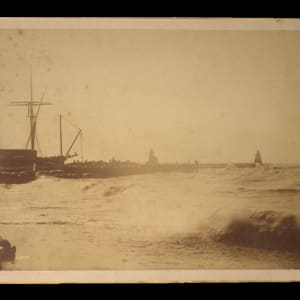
(266,229)
(88,187)
(116,190)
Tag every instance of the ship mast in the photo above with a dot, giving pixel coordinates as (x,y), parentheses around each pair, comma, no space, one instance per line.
(31,114)
(60,134)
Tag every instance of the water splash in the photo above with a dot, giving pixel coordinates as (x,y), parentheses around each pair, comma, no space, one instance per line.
(265,229)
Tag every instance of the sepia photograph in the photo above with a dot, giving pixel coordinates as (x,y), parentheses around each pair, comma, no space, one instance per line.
(149,145)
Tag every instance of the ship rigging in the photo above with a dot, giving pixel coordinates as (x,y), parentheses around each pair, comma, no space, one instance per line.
(32,113)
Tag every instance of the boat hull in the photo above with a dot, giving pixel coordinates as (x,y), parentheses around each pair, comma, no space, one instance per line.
(21,177)
(12,160)
(50,163)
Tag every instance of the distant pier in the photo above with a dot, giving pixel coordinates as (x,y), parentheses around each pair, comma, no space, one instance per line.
(244,165)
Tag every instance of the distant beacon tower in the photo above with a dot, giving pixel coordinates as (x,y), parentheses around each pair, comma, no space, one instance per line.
(258,160)
(152,160)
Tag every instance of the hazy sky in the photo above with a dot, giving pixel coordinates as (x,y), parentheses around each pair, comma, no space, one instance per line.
(215,96)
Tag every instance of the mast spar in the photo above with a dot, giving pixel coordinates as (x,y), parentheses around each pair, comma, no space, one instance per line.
(79,135)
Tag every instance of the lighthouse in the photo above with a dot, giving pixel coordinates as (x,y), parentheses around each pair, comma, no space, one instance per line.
(258,159)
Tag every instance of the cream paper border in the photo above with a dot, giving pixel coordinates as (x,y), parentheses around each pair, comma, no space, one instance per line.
(151,23)
(150,276)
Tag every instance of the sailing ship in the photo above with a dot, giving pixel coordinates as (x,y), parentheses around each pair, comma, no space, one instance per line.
(21,165)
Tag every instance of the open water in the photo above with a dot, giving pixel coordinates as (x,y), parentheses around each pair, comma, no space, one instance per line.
(225,218)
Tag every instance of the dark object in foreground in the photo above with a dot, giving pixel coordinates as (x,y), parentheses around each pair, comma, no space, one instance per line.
(7,252)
